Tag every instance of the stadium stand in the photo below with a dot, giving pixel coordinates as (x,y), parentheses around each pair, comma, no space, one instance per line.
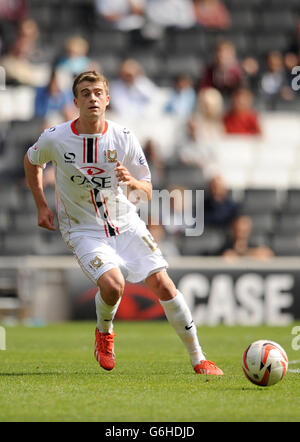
(262,172)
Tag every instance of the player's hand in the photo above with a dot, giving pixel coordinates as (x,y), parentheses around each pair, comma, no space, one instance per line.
(123,175)
(46,218)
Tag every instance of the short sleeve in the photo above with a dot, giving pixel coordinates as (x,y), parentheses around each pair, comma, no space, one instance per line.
(136,161)
(42,151)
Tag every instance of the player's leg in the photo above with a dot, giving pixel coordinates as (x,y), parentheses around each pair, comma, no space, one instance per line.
(179,316)
(111,287)
(107,300)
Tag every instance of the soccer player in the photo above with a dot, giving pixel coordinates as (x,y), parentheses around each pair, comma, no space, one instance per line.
(93,158)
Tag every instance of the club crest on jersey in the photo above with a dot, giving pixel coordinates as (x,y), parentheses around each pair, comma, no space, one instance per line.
(96,263)
(112,156)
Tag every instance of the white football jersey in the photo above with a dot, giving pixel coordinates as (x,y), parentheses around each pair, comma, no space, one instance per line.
(88,194)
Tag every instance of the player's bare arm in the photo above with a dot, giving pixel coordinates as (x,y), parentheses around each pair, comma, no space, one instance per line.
(142,186)
(34,176)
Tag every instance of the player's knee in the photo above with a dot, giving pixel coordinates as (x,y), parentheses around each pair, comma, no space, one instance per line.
(111,288)
(113,291)
(163,287)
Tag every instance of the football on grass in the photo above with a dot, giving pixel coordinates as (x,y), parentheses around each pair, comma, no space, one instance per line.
(264,363)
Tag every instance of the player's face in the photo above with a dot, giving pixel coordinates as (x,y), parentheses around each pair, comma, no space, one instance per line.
(92,99)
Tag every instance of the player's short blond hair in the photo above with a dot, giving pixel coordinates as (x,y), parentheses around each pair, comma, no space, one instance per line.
(92,77)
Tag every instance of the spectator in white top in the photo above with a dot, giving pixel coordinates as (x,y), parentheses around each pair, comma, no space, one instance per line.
(126,15)
(133,91)
(165,13)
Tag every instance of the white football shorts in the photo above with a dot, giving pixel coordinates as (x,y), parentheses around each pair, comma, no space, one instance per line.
(134,252)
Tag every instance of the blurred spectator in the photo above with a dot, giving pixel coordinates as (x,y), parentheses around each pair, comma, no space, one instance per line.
(225,72)
(241,119)
(239,243)
(220,210)
(54,104)
(212,14)
(13,10)
(132,91)
(11,13)
(166,13)
(125,15)
(208,115)
(196,144)
(274,82)
(251,73)
(74,60)
(20,70)
(192,150)
(182,97)
(28,34)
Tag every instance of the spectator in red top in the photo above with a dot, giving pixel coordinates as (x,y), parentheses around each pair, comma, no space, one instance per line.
(225,72)
(241,119)
(212,14)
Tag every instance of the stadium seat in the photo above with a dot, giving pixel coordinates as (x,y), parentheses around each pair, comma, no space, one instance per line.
(10,198)
(260,201)
(281,20)
(51,243)
(265,43)
(183,64)
(190,177)
(209,243)
(288,223)
(292,203)
(187,42)
(105,42)
(236,151)
(273,178)
(281,128)
(17,103)
(20,244)
(262,223)
(151,63)
(243,20)
(5,220)
(235,5)
(25,222)
(236,178)
(272,154)
(289,4)
(286,245)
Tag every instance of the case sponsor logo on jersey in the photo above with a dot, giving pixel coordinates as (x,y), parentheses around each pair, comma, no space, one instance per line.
(92,170)
(96,181)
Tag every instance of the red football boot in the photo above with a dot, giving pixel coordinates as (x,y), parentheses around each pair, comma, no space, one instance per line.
(209,368)
(104,349)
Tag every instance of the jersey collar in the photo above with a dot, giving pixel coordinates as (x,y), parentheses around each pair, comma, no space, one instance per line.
(75,131)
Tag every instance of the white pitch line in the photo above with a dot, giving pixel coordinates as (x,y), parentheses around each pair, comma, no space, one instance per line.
(294,370)
(295,361)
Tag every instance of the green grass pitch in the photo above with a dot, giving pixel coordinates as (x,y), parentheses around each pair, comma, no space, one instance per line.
(50,374)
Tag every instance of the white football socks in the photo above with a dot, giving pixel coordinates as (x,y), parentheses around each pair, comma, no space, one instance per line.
(105,314)
(179,316)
